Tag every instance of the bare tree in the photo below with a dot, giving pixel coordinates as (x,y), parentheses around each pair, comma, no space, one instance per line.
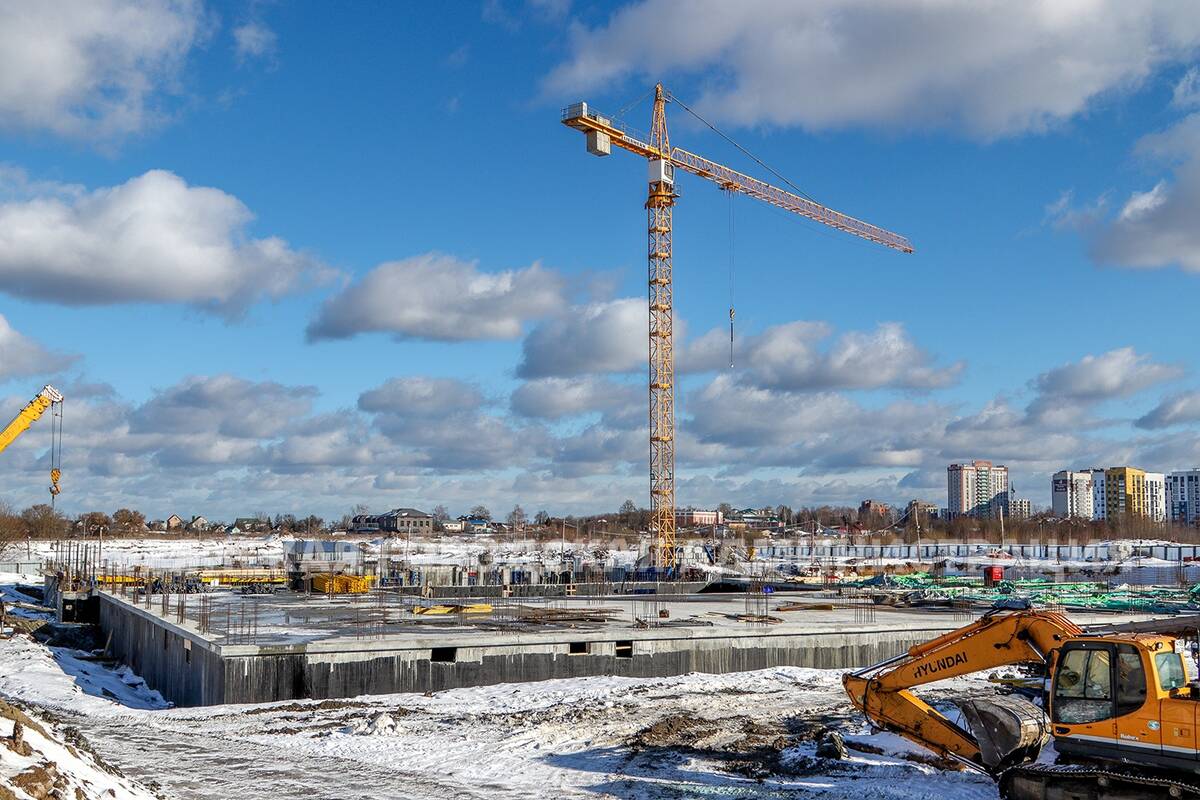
(125,519)
(93,521)
(628,513)
(43,522)
(440,516)
(481,512)
(12,529)
(517,519)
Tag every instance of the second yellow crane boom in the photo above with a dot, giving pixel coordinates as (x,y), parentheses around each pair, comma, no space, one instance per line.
(47,398)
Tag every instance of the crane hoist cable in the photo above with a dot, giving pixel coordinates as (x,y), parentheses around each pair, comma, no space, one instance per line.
(625,109)
(56,429)
(743,150)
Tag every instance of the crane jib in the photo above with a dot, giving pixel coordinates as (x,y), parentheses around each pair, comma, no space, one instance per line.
(581,117)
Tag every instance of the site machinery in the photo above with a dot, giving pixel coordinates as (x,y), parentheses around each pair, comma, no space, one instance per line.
(603,132)
(1118,706)
(47,398)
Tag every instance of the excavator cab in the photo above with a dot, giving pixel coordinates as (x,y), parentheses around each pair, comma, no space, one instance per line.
(1125,699)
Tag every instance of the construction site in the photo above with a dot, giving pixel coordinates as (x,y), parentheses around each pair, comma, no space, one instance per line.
(337,619)
(671,663)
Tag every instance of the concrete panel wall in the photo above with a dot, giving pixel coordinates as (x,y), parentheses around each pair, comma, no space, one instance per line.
(181,666)
(266,678)
(190,671)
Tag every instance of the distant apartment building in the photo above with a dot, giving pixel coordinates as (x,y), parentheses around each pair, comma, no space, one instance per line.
(979,489)
(1019,508)
(1183,497)
(1156,497)
(1072,494)
(1099,488)
(695,518)
(873,510)
(1124,493)
(919,511)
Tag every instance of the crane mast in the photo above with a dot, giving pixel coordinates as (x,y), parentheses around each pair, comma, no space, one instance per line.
(602,133)
(659,205)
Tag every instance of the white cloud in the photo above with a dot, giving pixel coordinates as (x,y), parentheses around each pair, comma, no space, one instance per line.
(827,429)
(92,69)
(254,40)
(1117,373)
(21,356)
(1064,214)
(593,339)
(1187,91)
(224,406)
(1158,227)
(556,398)
(1140,204)
(990,68)
(441,298)
(151,239)
(789,357)
(1177,409)
(419,396)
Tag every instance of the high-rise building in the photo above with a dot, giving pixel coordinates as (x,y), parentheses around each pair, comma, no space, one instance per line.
(1156,497)
(979,488)
(920,512)
(1124,493)
(1099,488)
(1183,497)
(1072,494)
(874,510)
(1019,507)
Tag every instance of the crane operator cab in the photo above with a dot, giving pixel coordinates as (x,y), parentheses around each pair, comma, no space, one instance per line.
(1128,698)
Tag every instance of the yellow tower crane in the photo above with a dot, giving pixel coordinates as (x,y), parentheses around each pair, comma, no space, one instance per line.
(602,133)
(47,398)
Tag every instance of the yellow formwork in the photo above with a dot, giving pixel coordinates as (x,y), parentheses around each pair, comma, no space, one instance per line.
(330,583)
(447,608)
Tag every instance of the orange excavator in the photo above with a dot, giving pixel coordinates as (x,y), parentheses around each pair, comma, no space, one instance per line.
(1119,706)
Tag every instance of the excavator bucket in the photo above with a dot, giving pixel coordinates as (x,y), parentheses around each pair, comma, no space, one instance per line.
(1009,730)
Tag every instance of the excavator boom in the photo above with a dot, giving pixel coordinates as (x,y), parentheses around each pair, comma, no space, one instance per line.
(1003,732)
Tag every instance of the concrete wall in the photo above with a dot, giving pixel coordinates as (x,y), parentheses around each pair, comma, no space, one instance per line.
(182,666)
(264,677)
(191,671)
(555,589)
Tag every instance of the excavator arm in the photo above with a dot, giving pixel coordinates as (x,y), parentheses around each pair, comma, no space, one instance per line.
(1004,733)
(31,413)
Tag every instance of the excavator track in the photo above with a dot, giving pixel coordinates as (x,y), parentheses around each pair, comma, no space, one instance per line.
(1078,782)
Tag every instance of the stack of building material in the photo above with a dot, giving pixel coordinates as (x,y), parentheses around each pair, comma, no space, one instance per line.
(336,583)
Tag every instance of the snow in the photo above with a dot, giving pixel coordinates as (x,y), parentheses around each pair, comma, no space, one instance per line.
(85,777)
(742,735)
(568,738)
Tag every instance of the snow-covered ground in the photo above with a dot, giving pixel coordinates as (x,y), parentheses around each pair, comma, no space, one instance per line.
(176,552)
(749,735)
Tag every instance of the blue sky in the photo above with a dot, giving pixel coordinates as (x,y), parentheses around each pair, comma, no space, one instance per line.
(285,258)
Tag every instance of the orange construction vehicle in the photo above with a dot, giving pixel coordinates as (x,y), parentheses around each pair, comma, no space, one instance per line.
(1119,706)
